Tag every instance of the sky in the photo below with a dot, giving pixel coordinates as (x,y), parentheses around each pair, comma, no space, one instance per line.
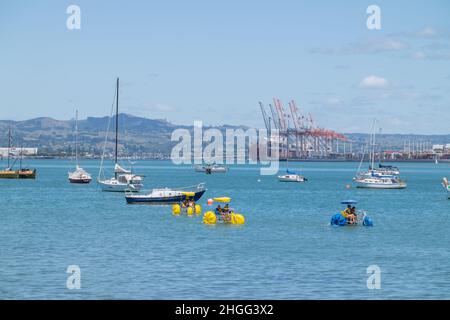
(215,60)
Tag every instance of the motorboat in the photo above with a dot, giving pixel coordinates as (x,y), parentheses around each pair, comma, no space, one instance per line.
(166,196)
(209,168)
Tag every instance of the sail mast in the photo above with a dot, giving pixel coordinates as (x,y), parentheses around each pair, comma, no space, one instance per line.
(373,144)
(9,146)
(117,120)
(76,138)
(21,156)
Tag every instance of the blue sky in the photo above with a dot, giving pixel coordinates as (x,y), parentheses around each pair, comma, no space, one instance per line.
(214,60)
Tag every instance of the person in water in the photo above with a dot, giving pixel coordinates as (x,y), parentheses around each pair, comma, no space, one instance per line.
(219,209)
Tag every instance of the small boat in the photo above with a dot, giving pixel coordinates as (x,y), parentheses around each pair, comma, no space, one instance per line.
(377,182)
(165,196)
(446,186)
(123,180)
(383,177)
(79,175)
(352,218)
(225,215)
(21,173)
(292,176)
(209,168)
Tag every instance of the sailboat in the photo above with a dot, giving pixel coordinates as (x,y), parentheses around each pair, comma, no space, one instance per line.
(21,173)
(123,180)
(291,176)
(446,186)
(79,175)
(376,178)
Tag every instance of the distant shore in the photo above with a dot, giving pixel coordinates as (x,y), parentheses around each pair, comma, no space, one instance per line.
(281,160)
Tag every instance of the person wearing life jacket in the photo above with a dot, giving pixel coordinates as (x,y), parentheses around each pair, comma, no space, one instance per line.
(347,211)
(351,217)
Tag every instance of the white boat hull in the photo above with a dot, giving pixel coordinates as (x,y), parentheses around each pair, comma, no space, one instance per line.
(446,186)
(213,169)
(291,178)
(118,186)
(377,185)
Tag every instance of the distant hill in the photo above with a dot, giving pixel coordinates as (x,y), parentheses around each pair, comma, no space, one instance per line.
(142,136)
(137,135)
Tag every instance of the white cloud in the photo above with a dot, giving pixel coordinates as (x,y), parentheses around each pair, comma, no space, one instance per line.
(427,32)
(418,55)
(333,101)
(366,46)
(373,82)
(431,54)
(386,45)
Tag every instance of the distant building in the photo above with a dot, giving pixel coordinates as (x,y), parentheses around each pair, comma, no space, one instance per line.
(438,147)
(18,151)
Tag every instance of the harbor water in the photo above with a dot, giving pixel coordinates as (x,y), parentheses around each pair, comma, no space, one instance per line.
(285,250)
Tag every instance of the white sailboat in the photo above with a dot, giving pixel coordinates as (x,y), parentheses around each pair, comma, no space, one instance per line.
(291,176)
(377,179)
(79,175)
(446,186)
(123,180)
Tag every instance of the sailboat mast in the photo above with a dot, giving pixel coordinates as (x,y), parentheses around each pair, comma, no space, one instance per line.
(373,145)
(9,146)
(21,156)
(76,138)
(117,121)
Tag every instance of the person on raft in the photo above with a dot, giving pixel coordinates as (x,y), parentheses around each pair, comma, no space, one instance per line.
(350,214)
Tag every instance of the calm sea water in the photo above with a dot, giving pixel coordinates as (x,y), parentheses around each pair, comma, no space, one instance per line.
(286,249)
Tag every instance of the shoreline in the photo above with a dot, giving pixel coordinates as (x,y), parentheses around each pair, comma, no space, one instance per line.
(280,160)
